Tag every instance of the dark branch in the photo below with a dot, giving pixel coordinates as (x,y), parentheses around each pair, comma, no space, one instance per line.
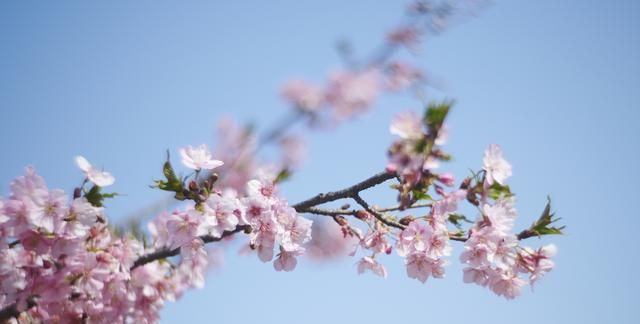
(376,214)
(165,252)
(322,198)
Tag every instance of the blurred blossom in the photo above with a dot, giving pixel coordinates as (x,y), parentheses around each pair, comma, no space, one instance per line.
(401,75)
(293,150)
(328,242)
(407,36)
(303,95)
(352,93)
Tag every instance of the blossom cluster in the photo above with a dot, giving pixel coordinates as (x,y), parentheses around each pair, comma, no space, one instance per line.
(492,255)
(416,154)
(347,93)
(62,262)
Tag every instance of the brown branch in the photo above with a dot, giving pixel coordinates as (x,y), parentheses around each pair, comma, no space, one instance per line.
(164,253)
(330,212)
(322,198)
(376,214)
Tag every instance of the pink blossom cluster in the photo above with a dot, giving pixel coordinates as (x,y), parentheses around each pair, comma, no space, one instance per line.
(493,255)
(239,145)
(407,156)
(62,262)
(274,223)
(423,243)
(60,254)
(349,94)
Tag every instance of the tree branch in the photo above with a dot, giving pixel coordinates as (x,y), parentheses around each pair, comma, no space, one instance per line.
(165,252)
(376,214)
(322,198)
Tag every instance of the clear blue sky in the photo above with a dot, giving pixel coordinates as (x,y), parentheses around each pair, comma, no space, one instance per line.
(556,83)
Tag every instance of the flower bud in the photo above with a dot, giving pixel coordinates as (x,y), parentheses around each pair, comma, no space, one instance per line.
(340,220)
(406,220)
(193,186)
(213,178)
(362,215)
(447,179)
(77,193)
(465,183)
(471,197)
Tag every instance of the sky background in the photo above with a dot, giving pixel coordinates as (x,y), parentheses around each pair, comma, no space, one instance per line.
(556,83)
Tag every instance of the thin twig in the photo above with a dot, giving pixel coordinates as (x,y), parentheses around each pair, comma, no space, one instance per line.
(376,214)
(164,253)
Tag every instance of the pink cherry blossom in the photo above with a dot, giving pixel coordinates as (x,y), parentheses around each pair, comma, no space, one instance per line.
(537,262)
(184,227)
(199,158)
(370,264)
(497,168)
(303,95)
(506,284)
(401,75)
(414,238)
(407,125)
(376,241)
(222,212)
(501,215)
(351,93)
(407,36)
(479,276)
(293,150)
(420,266)
(98,177)
(286,261)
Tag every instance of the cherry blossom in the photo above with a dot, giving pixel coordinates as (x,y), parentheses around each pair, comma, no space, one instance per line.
(62,261)
(351,93)
(199,158)
(497,168)
(370,264)
(407,125)
(303,95)
(420,266)
(98,177)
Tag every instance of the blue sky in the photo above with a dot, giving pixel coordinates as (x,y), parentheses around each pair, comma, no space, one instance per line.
(554,82)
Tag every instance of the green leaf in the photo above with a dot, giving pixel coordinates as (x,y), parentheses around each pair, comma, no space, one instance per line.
(497,190)
(456,220)
(172,182)
(542,225)
(283,175)
(436,113)
(421,195)
(96,198)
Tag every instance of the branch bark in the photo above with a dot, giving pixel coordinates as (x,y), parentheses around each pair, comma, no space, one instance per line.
(348,192)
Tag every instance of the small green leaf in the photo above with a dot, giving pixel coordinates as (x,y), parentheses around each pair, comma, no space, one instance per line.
(421,195)
(456,220)
(95,197)
(436,113)
(541,226)
(172,182)
(283,175)
(497,190)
